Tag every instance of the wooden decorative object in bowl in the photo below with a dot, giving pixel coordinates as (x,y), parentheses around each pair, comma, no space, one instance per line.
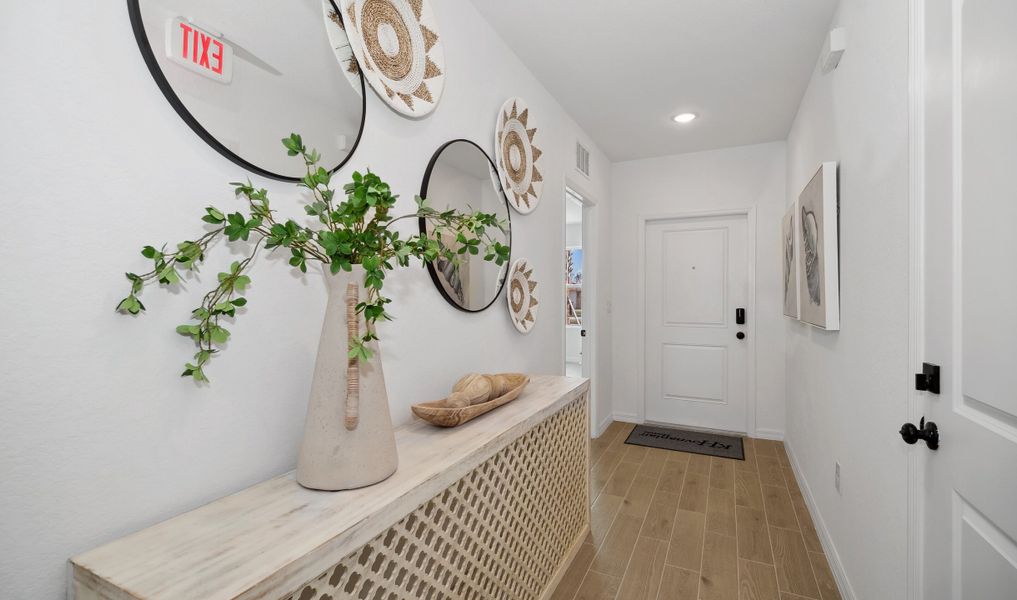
(446,413)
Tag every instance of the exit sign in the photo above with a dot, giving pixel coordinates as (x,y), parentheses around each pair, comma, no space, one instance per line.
(198,50)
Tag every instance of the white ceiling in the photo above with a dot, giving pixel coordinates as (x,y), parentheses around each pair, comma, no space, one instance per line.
(623,69)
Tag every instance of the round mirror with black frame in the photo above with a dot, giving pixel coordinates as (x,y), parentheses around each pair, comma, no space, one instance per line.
(245,75)
(462,177)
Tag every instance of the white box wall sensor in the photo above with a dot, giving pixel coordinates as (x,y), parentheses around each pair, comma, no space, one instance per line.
(833,49)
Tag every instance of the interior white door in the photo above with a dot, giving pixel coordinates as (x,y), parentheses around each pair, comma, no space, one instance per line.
(970,496)
(696,366)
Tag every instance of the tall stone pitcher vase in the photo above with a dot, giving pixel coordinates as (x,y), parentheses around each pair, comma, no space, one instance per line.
(348,437)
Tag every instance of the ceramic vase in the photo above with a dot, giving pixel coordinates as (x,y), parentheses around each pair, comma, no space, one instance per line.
(346,445)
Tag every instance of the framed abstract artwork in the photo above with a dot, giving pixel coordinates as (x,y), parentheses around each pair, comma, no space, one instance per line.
(789,259)
(818,244)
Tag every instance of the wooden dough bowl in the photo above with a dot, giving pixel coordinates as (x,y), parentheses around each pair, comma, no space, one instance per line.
(441,414)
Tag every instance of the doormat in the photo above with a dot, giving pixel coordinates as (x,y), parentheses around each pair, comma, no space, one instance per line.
(683,440)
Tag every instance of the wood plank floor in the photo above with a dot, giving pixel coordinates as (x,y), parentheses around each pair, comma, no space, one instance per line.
(674,526)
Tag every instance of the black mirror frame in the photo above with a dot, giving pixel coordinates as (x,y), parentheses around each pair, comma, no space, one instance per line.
(134,11)
(423,224)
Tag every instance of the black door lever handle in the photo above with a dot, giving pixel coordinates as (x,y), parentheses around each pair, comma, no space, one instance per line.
(926,431)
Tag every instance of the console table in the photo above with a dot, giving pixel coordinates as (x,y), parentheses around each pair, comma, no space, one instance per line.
(495,508)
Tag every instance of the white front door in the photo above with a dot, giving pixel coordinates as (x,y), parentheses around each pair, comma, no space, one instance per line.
(696,366)
(970,281)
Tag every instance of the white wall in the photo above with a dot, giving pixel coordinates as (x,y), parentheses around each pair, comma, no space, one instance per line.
(99,437)
(847,390)
(747,176)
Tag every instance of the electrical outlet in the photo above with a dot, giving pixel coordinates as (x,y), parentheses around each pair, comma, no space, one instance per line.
(836,476)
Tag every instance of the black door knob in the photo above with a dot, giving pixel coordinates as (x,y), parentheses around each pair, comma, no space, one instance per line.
(740,335)
(925,431)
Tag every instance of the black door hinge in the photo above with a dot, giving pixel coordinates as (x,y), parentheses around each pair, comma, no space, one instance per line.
(928,379)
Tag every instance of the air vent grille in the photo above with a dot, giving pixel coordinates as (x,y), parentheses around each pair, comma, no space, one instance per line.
(582,159)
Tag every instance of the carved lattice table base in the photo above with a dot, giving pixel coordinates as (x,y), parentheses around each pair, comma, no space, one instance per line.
(502,531)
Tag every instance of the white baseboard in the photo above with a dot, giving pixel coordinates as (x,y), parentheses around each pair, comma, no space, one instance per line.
(601,427)
(769,434)
(832,557)
(626,417)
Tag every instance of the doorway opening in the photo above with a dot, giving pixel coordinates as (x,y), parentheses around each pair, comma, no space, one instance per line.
(575,332)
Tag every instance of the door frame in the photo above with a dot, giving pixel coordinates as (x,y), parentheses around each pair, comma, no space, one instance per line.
(591,258)
(915,402)
(642,221)
(587,212)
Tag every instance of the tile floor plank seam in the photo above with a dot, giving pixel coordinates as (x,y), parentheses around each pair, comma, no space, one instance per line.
(702,543)
(674,526)
(699,573)
(631,552)
(766,526)
(801,529)
(597,547)
(747,442)
(798,518)
(766,520)
(734,508)
(702,554)
(770,527)
(613,469)
(728,489)
(762,508)
(769,536)
(611,527)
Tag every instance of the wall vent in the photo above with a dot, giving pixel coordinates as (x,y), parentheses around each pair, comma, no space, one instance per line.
(582,159)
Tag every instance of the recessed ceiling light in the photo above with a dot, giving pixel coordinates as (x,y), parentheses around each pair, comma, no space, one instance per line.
(684,118)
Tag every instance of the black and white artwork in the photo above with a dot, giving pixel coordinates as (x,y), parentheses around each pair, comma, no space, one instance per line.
(789,259)
(818,263)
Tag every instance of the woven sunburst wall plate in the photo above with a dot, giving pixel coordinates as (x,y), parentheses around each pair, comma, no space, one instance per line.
(521,295)
(340,42)
(397,45)
(517,155)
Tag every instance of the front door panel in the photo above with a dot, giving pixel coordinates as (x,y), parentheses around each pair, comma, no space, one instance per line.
(696,276)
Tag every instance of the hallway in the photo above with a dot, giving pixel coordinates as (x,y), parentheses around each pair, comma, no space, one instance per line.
(500,234)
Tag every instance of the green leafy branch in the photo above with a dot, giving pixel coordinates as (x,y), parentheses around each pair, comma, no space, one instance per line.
(355,229)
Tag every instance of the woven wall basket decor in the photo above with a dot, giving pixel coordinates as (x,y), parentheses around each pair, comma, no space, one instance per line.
(397,45)
(340,42)
(517,156)
(521,295)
